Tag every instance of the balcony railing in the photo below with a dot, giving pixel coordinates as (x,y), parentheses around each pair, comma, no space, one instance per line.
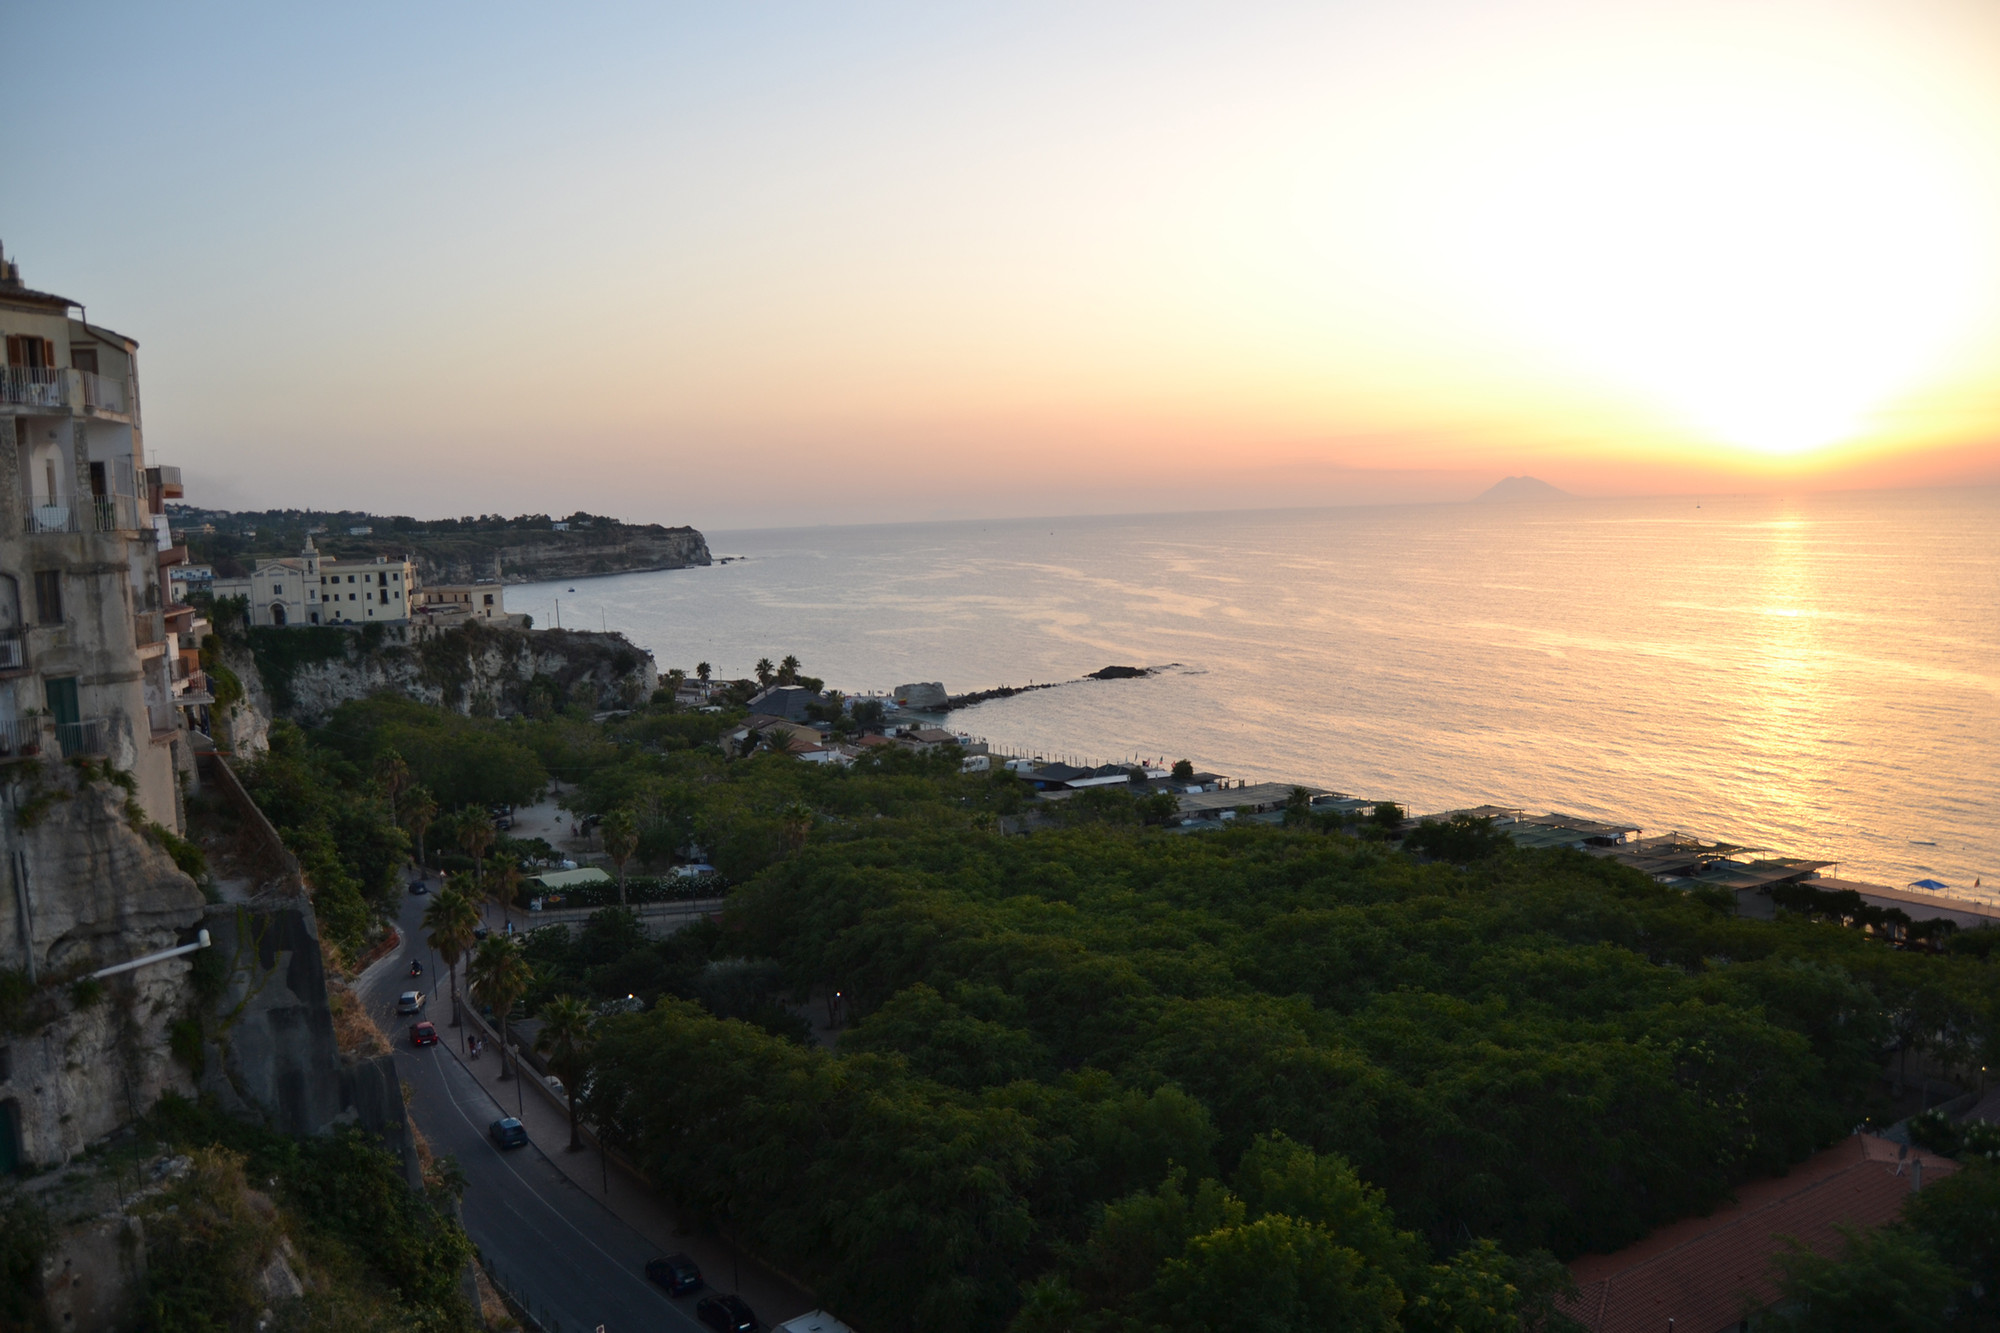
(20,736)
(102,513)
(13,648)
(101,392)
(36,386)
(90,736)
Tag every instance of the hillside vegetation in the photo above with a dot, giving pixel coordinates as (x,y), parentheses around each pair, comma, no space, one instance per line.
(1106,1077)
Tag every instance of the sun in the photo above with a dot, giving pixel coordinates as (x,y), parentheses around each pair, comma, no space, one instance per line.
(1767,272)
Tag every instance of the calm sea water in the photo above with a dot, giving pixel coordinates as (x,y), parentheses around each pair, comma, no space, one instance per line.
(1819,675)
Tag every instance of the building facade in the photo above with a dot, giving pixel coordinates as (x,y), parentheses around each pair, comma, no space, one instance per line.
(97,658)
(314,589)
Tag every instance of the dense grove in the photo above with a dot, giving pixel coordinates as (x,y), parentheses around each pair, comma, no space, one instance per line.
(1108,1077)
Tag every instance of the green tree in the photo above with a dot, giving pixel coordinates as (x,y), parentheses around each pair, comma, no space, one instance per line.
(418,813)
(1887,1281)
(701,672)
(503,882)
(798,818)
(451,917)
(788,670)
(392,777)
(1388,816)
(565,1039)
(1298,807)
(475,832)
(765,672)
(1183,770)
(500,976)
(620,832)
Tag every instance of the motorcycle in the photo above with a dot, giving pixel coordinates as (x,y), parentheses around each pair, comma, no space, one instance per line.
(416,968)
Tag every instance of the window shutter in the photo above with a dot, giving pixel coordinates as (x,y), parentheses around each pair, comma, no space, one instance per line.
(13,349)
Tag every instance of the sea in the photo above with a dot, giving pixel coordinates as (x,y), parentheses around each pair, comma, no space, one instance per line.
(1816,675)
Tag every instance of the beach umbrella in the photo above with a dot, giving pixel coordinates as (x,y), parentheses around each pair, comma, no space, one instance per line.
(1928,884)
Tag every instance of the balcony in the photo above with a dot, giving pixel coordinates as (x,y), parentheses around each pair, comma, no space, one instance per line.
(37,386)
(102,513)
(13,649)
(20,738)
(91,736)
(102,394)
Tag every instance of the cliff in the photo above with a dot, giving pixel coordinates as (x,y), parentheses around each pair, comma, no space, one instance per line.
(546,556)
(306,672)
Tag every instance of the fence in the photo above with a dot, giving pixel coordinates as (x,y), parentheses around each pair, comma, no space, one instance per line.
(20,736)
(86,736)
(273,859)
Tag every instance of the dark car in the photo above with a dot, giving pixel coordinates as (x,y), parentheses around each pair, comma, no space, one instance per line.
(480,932)
(508,1133)
(423,1034)
(418,886)
(727,1314)
(676,1273)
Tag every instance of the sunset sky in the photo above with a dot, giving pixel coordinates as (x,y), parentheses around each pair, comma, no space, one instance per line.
(759,264)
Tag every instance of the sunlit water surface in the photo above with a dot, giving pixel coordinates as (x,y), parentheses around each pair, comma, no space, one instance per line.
(1820,675)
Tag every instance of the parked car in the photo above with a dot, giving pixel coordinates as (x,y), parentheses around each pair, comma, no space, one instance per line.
(424,1033)
(418,886)
(726,1314)
(481,931)
(508,1132)
(410,1002)
(503,823)
(676,1273)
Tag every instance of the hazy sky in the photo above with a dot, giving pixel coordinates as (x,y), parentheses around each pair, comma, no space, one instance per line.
(760,264)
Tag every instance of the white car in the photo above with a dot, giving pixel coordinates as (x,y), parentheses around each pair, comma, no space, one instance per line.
(410,1002)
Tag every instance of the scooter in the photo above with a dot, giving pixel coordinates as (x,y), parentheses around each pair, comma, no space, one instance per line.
(416,967)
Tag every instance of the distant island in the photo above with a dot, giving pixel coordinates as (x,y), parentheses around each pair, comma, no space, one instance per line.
(1514,490)
(525,549)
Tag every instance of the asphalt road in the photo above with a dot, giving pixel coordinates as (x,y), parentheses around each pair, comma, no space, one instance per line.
(574,1262)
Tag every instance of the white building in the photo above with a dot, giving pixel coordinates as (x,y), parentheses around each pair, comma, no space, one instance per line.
(314,589)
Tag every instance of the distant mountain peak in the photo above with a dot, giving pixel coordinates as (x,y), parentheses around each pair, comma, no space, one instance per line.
(1515,489)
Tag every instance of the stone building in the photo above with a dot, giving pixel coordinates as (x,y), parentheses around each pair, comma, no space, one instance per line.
(96,659)
(314,589)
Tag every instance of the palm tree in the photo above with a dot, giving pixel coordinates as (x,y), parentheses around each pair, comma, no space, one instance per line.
(475,834)
(502,880)
(451,918)
(702,672)
(620,832)
(764,671)
(788,670)
(675,679)
(418,812)
(392,775)
(500,976)
(799,819)
(565,1040)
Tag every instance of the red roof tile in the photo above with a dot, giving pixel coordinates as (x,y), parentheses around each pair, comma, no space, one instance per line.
(1702,1272)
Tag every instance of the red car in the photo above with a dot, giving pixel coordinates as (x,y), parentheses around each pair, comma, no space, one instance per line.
(423,1034)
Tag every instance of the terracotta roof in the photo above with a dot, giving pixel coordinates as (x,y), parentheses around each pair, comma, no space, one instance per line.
(1700,1272)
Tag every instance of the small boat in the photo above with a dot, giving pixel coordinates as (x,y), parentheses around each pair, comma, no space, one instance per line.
(570,590)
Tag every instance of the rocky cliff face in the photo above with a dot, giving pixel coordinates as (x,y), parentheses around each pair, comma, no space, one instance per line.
(87,890)
(566,555)
(247,1019)
(474,669)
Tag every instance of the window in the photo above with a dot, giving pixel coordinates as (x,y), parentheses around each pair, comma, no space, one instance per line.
(350,578)
(83,358)
(277,590)
(489,599)
(48,596)
(36,353)
(383,596)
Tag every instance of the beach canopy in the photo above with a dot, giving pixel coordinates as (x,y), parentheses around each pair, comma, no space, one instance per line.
(1928,884)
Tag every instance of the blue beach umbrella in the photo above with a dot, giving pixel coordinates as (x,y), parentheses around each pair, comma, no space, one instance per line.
(1928,884)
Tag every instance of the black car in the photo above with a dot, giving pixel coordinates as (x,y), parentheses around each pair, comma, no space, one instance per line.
(418,886)
(508,1133)
(726,1314)
(676,1273)
(480,932)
